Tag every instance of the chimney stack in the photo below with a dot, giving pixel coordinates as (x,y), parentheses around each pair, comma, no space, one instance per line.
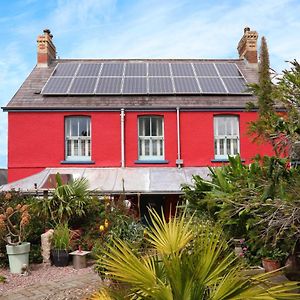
(46,51)
(247,46)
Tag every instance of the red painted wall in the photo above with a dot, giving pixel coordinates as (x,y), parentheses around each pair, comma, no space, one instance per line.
(36,140)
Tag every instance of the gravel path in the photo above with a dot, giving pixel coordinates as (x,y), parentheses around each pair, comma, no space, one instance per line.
(50,282)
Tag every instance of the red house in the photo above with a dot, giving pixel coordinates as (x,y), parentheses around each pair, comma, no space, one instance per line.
(143,124)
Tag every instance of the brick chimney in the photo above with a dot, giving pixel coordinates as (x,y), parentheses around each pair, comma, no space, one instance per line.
(247,46)
(46,51)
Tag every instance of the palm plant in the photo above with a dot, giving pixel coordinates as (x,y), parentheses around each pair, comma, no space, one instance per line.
(187,261)
(68,200)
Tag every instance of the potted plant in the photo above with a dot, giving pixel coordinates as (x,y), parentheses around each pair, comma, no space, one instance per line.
(272,258)
(13,220)
(60,245)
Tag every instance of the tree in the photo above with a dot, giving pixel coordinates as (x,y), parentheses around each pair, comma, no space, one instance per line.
(263,127)
(282,130)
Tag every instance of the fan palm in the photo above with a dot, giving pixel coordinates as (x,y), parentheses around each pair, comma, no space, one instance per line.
(68,200)
(187,262)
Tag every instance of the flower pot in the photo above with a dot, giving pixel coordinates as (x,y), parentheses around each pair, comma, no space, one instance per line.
(60,258)
(270,264)
(18,256)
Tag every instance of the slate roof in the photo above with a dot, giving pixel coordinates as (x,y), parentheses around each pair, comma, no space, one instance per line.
(29,96)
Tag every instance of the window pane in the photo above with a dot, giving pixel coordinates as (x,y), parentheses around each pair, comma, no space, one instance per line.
(221,142)
(221,126)
(140,147)
(75,150)
(147,126)
(159,126)
(147,147)
(82,144)
(88,125)
(235,126)
(89,147)
(161,148)
(154,147)
(74,127)
(154,126)
(235,146)
(228,148)
(141,127)
(83,128)
(69,148)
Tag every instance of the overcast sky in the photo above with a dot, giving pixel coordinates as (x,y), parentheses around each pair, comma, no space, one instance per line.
(138,29)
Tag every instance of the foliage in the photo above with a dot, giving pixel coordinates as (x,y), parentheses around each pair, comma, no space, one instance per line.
(172,271)
(61,237)
(68,201)
(259,202)
(281,130)
(13,219)
(35,255)
(119,223)
(274,254)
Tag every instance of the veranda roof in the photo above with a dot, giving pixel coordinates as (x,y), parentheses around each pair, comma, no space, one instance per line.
(110,180)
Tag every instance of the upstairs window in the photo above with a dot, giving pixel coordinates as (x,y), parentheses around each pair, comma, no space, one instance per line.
(78,138)
(151,138)
(226,133)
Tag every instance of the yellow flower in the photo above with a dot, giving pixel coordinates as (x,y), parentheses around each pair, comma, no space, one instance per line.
(101,228)
(106,223)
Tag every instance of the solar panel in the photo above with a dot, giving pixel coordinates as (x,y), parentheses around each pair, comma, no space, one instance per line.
(83,85)
(205,69)
(112,69)
(235,85)
(57,85)
(136,69)
(159,69)
(88,70)
(67,69)
(160,85)
(135,85)
(109,85)
(211,85)
(186,85)
(182,69)
(153,77)
(228,69)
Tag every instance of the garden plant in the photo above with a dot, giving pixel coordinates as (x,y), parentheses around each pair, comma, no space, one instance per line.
(185,261)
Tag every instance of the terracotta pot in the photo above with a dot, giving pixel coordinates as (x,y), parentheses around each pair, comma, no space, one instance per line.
(270,264)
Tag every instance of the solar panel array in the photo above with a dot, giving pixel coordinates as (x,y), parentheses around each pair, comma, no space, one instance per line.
(140,78)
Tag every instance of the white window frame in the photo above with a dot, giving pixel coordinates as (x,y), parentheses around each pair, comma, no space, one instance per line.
(151,138)
(81,140)
(229,137)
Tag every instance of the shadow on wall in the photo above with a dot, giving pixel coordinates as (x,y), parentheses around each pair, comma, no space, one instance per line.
(3,176)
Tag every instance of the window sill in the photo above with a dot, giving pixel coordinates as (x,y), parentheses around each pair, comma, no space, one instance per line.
(77,162)
(151,161)
(218,160)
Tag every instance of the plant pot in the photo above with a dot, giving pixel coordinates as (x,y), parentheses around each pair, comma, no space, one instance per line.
(270,264)
(18,257)
(60,258)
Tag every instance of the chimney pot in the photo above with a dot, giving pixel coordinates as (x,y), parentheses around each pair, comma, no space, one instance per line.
(47,31)
(246,29)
